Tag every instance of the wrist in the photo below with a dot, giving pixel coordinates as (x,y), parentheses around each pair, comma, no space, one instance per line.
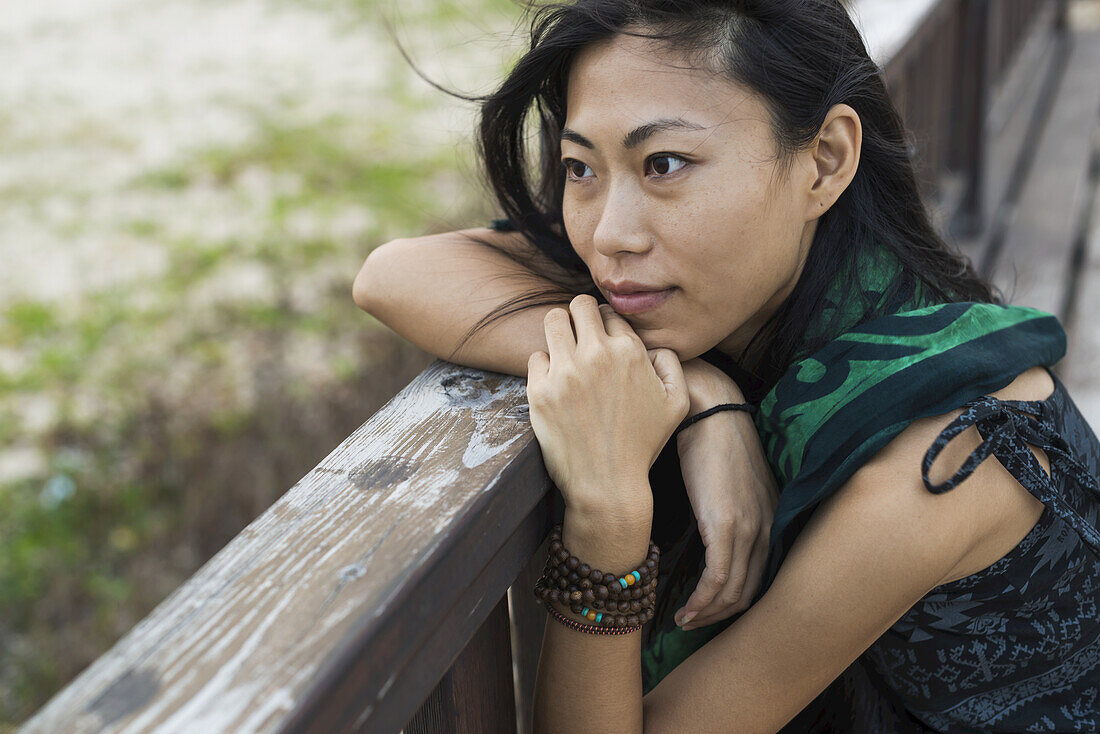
(623,502)
(707,386)
(612,542)
(708,398)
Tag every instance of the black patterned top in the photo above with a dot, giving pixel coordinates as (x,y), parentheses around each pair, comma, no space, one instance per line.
(1014,647)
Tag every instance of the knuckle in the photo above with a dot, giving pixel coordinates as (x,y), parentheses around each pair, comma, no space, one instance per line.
(719,576)
(740,521)
(535,395)
(730,601)
(622,345)
(602,357)
(595,357)
(569,376)
(536,387)
(555,314)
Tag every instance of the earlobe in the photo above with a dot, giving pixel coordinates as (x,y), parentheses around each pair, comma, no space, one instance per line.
(836,157)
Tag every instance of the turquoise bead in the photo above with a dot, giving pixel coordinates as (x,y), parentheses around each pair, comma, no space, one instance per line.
(637,576)
(599,616)
(622,582)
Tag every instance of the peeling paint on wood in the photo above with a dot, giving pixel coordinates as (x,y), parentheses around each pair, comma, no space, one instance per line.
(235,647)
(129,693)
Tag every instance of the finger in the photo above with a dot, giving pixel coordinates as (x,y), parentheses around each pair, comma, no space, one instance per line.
(559,334)
(721,607)
(728,594)
(735,594)
(587,320)
(713,578)
(671,372)
(614,324)
(755,574)
(538,364)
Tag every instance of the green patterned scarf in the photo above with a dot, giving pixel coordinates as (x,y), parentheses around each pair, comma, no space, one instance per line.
(831,411)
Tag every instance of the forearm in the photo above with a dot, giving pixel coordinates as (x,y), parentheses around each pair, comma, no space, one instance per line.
(432,290)
(590,682)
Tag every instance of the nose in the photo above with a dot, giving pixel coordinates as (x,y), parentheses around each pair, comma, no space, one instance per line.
(621,228)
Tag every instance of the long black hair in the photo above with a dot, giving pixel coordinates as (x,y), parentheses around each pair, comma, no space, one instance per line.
(801,57)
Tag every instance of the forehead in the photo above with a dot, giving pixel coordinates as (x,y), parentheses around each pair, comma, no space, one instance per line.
(626,80)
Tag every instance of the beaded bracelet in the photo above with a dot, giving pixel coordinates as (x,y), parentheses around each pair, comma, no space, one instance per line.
(586,590)
(747,407)
(590,628)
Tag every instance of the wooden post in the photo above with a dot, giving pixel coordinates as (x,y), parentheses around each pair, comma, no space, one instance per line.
(476,694)
(528,624)
(971,99)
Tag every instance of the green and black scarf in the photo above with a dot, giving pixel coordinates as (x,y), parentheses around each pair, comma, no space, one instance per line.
(831,411)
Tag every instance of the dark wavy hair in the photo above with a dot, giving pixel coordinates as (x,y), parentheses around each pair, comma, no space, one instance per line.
(801,57)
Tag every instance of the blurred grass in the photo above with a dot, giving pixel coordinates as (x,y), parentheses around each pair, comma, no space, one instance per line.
(173,410)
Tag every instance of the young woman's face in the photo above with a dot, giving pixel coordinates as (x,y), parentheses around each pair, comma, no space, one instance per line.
(669,184)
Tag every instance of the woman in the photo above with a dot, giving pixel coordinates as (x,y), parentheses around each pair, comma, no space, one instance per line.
(725,214)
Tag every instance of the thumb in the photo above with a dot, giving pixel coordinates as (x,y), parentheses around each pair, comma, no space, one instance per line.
(714,577)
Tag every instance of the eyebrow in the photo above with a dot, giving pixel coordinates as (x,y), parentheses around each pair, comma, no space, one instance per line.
(638,135)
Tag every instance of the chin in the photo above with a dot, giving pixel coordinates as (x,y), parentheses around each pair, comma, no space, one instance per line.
(683,351)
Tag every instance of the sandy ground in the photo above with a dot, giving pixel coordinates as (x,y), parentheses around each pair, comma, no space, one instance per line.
(101,96)
(93,94)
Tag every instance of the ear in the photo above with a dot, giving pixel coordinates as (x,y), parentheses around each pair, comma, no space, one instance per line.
(835,156)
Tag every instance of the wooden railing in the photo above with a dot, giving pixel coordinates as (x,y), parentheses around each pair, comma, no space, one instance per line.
(960,75)
(390,588)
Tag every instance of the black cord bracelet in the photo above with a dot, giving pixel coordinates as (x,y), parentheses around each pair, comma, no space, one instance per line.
(747,407)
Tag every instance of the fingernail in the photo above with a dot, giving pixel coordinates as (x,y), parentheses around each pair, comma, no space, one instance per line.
(688,617)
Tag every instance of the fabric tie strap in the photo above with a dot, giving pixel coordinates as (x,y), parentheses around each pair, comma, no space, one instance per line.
(1007,428)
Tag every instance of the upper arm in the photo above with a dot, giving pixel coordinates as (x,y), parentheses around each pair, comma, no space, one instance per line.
(867,554)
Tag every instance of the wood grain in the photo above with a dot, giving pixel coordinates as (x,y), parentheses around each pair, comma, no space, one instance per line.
(360,562)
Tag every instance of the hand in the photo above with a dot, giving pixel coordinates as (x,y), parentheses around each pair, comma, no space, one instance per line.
(602,407)
(733,494)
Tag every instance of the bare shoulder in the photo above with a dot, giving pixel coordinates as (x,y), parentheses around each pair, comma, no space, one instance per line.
(987,514)
(868,554)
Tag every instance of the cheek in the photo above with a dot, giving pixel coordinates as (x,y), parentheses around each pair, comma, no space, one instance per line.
(577,229)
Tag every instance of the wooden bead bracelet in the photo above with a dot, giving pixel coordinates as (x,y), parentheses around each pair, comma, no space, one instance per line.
(586,590)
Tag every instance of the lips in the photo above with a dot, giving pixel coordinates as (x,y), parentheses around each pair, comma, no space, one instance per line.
(638,301)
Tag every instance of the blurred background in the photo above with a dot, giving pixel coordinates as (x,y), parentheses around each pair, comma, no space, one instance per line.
(187,189)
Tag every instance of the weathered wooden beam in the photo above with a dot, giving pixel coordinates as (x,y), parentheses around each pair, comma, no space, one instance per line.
(342,605)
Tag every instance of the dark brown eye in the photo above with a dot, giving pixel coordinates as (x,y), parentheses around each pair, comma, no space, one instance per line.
(665,164)
(575,169)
